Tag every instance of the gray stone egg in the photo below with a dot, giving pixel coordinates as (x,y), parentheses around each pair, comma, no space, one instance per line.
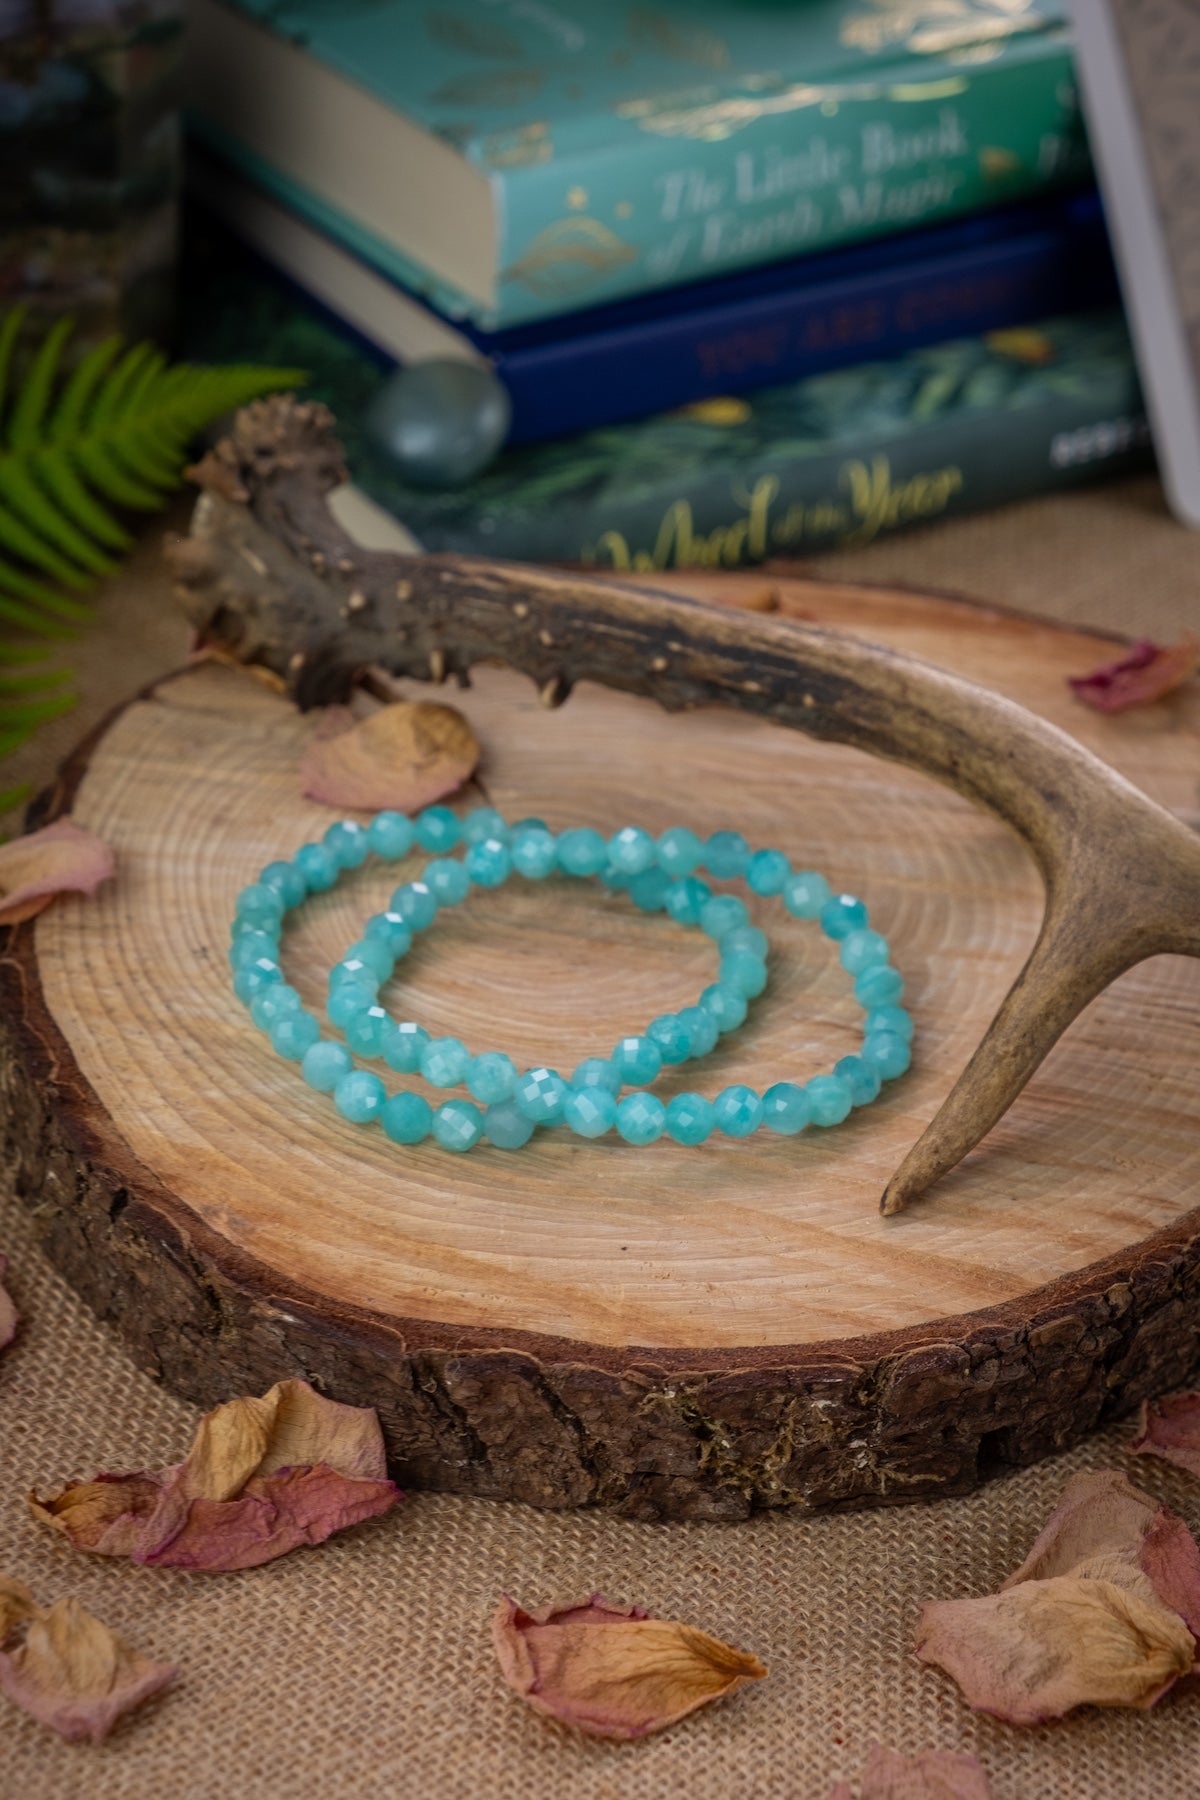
(441,422)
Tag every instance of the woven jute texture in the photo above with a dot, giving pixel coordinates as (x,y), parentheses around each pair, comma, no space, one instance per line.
(364,1667)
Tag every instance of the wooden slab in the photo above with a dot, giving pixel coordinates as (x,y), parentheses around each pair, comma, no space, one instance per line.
(676,1332)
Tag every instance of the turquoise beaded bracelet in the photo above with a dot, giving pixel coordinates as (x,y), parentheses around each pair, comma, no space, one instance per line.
(659,876)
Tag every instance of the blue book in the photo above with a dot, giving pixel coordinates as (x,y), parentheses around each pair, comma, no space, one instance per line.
(745,331)
(513,160)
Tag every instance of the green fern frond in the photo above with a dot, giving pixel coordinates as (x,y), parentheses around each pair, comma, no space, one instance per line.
(76,451)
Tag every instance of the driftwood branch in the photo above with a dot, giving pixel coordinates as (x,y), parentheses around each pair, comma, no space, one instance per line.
(269,575)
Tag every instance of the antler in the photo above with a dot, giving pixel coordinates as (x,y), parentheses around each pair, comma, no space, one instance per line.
(270,574)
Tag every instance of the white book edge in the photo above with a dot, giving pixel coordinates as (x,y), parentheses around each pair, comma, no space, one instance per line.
(1169,374)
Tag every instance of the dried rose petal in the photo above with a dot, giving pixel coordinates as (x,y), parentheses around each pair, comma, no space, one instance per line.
(1171,1429)
(8,1312)
(1146,672)
(60,858)
(404,756)
(1106,1529)
(1036,1651)
(16,1605)
(75,1674)
(263,1477)
(930,1775)
(1102,1610)
(613,1671)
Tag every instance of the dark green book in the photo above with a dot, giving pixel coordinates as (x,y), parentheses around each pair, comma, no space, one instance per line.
(835,459)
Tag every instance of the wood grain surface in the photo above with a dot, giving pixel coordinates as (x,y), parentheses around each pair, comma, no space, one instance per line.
(762,1255)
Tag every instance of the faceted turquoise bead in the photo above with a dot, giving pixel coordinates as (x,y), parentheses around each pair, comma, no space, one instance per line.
(724,912)
(491,1077)
(242,928)
(416,904)
(785,1108)
(438,829)
(685,898)
(641,1118)
(445,1061)
(260,906)
(726,1005)
(346,842)
(878,987)
(527,824)
(746,973)
(407,1118)
(842,915)
(745,937)
(690,1118)
(616,879)
(506,1126)
(391,930)
(254,976)
(637,1060)
(678,851)
(354,972)
(590,1111)
(672,1037)
(448,880)
(324,1064)
(359,1096)
(739,1111)
(767,871)
(597,1071)
(541,1094)
(805,893)
(726,855)
(631,850)
(889,1018)
(488,863)
(317,866)
(273,1003)
(345,1001)
(864,1082)
(648,891)
(458,1125)
(365,1030)
(294,1034)
(247,948)
(375,954)
(485,822)
(403,1045)
(862,950)
(534,851)
(287,881)
(701,1028)
(391,835)
(829,1099)
(581,851)
(887,1052)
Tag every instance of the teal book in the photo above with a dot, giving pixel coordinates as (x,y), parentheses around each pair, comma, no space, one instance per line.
(520,159)
(833,460)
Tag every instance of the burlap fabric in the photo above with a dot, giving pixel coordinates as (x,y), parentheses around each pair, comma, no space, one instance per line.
(364,1667)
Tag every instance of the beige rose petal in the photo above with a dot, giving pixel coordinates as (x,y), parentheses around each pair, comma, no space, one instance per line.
(58,859)
(405,756)
(75,1674)
(16,1605)
(613,1671)
(1037,1650)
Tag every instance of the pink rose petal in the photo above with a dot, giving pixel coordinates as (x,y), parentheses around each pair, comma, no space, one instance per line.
(60,858)
(76,1675)
(1171,1429)
(8,1312)
(1146,672)
(613,1671)
(930,1775)
(263,1476)
(405,756)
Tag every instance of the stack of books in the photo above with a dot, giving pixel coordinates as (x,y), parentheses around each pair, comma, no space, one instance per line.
(757,275)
